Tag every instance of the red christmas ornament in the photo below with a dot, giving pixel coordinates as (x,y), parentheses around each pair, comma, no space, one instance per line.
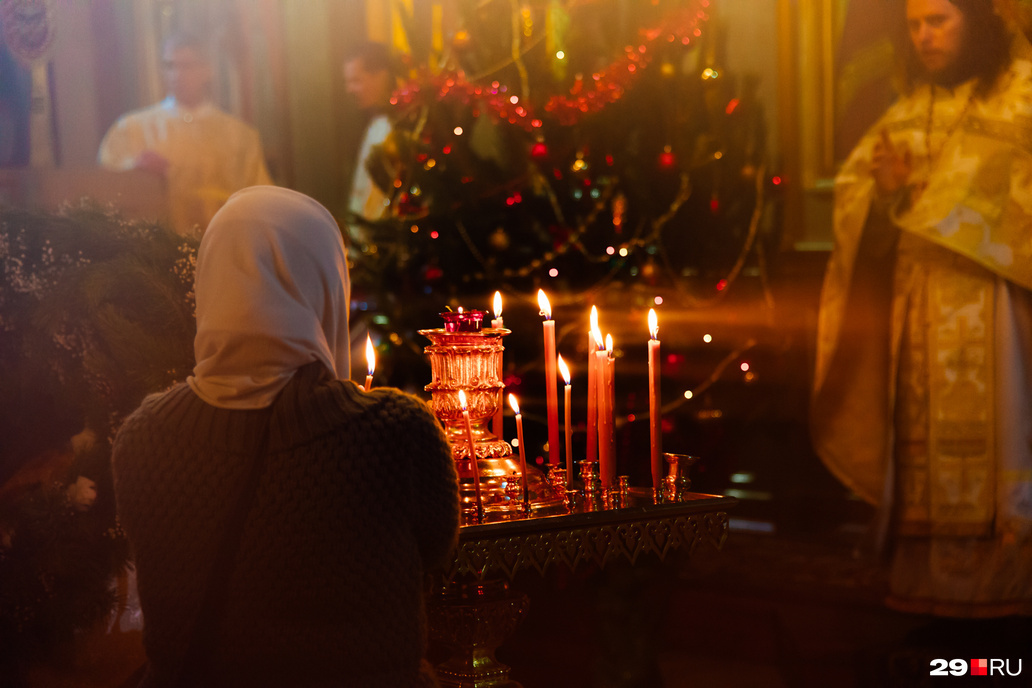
(539,150)
(667,159)
(408,204)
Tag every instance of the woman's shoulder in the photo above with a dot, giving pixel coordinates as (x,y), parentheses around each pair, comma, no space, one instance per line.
(343,402)
(396,404)
(153,420)
(156,406)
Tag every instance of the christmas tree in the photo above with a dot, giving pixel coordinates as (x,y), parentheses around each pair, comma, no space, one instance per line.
(566,145)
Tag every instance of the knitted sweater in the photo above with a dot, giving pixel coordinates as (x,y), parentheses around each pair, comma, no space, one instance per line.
(359,497)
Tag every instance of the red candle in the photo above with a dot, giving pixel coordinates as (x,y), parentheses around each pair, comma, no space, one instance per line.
(370,357)
(498,323)
(550,380)
(594,343)
(606,399)
(523,451)
(655,413)
(472,454)
(565,372)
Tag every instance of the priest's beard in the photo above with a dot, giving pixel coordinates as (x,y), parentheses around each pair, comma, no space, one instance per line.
(964,67)
(951,76)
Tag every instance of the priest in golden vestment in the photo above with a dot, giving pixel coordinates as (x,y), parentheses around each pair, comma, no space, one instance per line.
(204,154)
(922,399)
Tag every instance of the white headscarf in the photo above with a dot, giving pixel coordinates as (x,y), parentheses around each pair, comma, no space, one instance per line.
(273,295)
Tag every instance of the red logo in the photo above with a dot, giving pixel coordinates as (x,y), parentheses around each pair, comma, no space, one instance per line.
(979,667)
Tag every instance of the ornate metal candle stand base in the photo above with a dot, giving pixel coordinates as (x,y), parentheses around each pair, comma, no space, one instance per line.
(471,620)
(503,502)
(465,357)
(474,611)
(676,484)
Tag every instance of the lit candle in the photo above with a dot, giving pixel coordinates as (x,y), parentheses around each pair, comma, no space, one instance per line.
(370,357)
(523,451)
(550,380)
(565,372)
(498,323)
(606,399)
(655,420)
(594,344)
(472,455)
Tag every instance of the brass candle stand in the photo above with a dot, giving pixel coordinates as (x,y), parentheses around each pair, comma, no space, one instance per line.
(473,608)
(465,356)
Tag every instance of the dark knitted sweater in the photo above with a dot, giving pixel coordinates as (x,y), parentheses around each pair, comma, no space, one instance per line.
(358,499)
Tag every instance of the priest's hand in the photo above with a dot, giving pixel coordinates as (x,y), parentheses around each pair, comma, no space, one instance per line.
(891,165)
(152,162)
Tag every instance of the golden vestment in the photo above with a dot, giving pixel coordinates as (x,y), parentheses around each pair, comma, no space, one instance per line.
(922,398)
(211,156)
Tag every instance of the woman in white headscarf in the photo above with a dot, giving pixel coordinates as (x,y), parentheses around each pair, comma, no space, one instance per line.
(281,517)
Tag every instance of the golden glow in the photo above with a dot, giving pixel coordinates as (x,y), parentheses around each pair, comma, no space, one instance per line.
(370,355)
(462,399)
(546,308)
(497,305)
(514,404)
(609,344)
(563,370)
(653,323)
(596,333)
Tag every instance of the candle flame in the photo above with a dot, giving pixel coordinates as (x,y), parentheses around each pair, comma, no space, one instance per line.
(462,399)
(563,370)
(596,333)
(460,309)
(498,304)
(653,324)
(515,405)
(609,345)
(546,308)
(370,355)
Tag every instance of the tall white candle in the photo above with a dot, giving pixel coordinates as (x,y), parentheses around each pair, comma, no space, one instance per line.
(655,399)
(550,379)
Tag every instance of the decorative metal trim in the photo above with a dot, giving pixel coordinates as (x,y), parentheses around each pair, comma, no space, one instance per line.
(600,544)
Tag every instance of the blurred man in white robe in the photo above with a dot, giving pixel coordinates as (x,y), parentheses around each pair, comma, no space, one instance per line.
(203,154)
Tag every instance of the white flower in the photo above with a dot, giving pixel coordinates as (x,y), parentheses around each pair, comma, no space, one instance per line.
(82,493)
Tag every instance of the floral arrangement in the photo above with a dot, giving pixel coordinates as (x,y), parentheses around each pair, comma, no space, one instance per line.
(96,312)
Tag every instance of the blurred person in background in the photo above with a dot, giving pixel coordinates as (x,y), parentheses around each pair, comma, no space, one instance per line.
(369,79)
(922,399)
(203,153)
